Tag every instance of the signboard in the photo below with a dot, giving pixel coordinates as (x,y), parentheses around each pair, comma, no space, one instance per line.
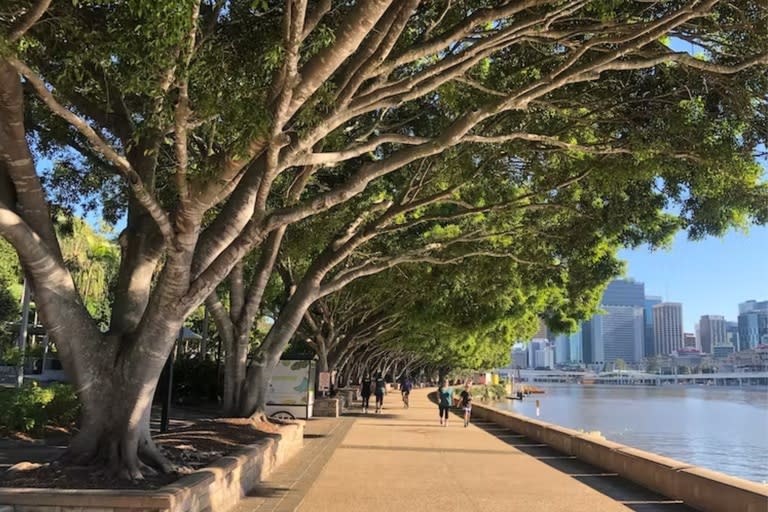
(324,381)
(290,384)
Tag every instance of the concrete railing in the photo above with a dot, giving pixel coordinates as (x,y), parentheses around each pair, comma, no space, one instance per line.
(702,489)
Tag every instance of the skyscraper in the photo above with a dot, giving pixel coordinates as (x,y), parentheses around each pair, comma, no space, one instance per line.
(617,332)
(562,349)
(540,354)
(667,327)
(623,292)
(732,334)
(712,332)
(576,350)
(649,345)
(753,305)
(753,324)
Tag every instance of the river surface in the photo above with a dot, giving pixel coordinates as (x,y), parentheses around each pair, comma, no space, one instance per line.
(719,428)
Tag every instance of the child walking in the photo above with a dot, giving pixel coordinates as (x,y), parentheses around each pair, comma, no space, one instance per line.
(466,403)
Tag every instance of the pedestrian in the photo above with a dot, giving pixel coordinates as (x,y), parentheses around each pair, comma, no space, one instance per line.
(380,388)
(466,403)
(405,389)
(445,400)
(365,392)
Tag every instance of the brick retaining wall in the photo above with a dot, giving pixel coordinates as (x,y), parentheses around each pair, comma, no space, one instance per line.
(215,488)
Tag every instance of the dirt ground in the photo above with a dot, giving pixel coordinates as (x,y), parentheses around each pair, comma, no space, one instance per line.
(189,448)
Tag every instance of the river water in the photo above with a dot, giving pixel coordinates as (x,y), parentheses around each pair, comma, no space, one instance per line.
(719,428)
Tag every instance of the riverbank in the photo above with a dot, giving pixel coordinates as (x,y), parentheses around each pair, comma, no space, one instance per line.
(722,429)
(704,490)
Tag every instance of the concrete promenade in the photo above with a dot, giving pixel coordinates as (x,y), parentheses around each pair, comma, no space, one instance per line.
(403,460)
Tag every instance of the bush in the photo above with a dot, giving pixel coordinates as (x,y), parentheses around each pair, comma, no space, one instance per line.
(485,393)
(12,356)
(195,381)
(32,408)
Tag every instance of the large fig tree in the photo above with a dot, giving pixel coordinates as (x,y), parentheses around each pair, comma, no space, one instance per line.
(203,125)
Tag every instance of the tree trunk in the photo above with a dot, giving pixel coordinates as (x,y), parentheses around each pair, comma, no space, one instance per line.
(254,399)
(117,402)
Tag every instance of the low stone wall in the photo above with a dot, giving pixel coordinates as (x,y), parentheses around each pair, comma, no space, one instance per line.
(326,408)
(215,488)
(702,489)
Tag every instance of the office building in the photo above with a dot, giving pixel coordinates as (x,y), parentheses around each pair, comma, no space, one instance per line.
(534,346)
(722,350)
(753,305)
(576,349)
(667,327)
(519,356)
(623,292)
(544,357)
(618,334)
(753,324)
(732,334)
(689,340)
(562,349)
(649,348)
(712,332)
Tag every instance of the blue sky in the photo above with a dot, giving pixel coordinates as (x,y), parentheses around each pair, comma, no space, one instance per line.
(708,277)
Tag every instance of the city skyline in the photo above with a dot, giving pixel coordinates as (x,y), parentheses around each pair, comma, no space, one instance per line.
(709,277)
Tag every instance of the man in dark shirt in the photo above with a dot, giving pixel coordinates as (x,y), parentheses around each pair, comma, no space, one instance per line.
(466,403)
(365,392)
(379,390)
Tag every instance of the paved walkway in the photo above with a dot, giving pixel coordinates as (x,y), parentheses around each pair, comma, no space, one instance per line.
(403,460)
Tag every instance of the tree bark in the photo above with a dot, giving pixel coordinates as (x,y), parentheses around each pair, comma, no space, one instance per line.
(274,344)
(116,407)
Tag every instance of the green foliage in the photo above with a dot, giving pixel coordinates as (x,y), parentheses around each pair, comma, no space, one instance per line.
(195,381)
(12,355)
(489,392)
(93,260)
(10,291)
(33,408)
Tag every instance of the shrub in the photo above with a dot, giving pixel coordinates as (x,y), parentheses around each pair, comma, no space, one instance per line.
(485,393)
(195,381)
(12,356)
(33,407)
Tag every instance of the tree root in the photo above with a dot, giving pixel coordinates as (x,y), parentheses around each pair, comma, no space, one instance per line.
(122,459)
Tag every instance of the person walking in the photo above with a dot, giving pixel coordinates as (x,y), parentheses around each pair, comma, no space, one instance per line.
(380,389)
(466,403)
(365,392)
(445,400)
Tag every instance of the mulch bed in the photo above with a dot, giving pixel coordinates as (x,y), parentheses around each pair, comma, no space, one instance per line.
(188,448)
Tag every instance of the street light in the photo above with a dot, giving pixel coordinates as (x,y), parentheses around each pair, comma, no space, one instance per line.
(22,343)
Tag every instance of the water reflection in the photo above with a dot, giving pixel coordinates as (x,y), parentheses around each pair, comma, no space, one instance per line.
(724,429)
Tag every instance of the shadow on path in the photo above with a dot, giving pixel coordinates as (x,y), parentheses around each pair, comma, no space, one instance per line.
(631,495)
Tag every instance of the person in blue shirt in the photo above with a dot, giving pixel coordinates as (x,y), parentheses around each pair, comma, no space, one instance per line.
(445,400)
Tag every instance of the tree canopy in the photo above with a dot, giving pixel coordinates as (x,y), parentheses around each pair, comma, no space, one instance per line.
(212,128)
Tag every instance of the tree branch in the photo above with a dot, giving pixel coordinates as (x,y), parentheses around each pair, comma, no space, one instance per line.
(328,159)
(321,8)
(183,111)
(134,180)
(28,20)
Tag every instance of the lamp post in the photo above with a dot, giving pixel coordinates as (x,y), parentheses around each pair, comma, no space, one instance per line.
(22,342)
